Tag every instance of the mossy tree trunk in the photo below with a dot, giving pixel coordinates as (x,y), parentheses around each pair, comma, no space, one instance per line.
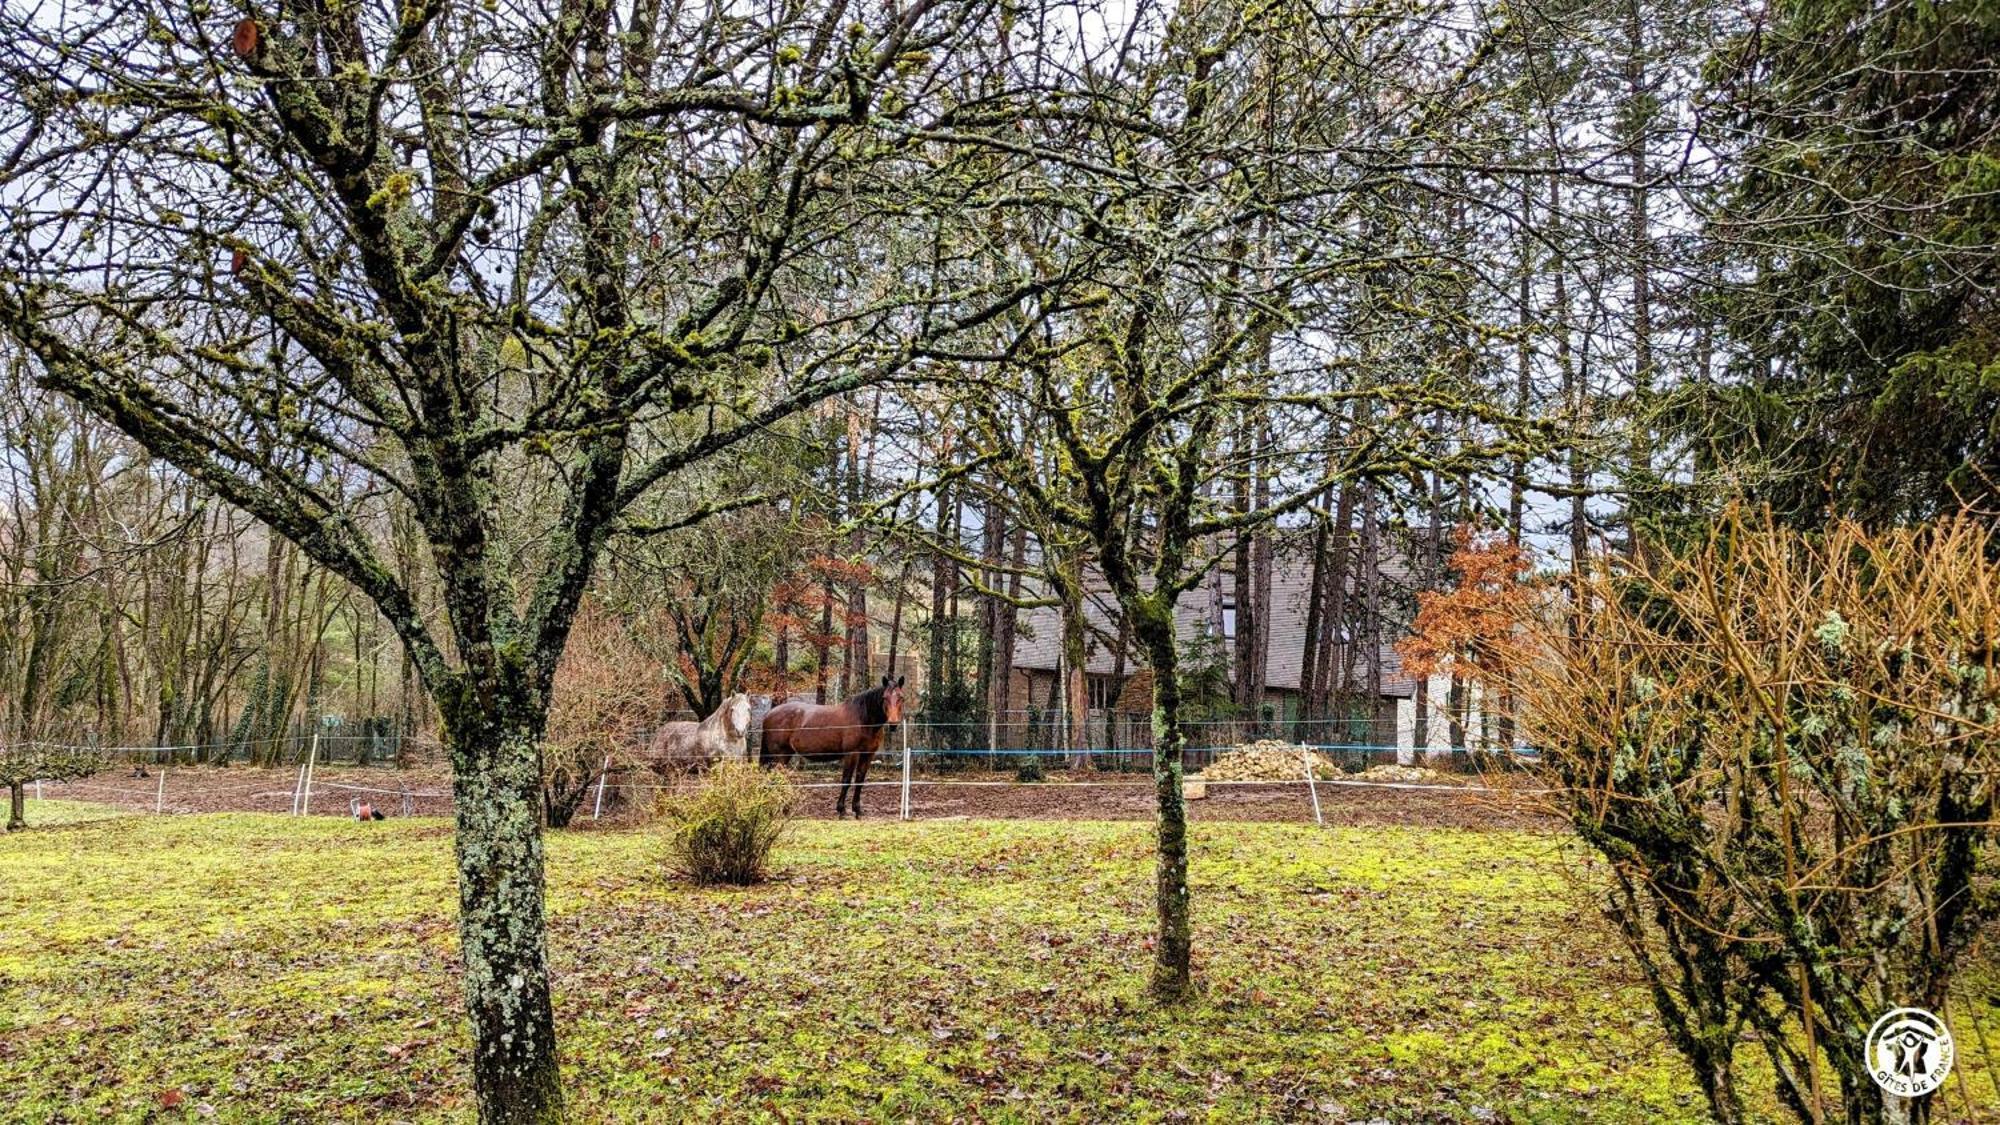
(493,729)
(1066,578)
(495,705)
(1173,953)
(17,805)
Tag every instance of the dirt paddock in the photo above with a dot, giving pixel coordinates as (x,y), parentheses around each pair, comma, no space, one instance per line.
(1130,797)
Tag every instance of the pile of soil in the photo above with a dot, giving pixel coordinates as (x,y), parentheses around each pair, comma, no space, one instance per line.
(1417,774)
(1269,760)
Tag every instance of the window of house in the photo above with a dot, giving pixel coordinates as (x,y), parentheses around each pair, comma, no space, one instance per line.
(1103,693)
(1228,620)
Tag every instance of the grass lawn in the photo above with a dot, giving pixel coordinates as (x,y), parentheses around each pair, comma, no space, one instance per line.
(49,813)
(259,968)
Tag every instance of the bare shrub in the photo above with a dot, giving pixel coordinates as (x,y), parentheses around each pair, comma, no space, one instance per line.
(724,831)
(1786,746)
(607,690)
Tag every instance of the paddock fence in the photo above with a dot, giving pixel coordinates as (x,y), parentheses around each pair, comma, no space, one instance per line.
(924,770)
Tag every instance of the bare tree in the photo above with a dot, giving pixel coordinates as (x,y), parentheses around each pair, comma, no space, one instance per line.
(317,256)
(24,762)
(1107,421)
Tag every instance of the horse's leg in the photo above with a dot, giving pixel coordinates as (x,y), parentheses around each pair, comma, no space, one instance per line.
(861,779)
(840,803)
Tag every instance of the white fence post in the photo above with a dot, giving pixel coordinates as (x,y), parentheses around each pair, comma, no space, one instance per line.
(906,770)
(602,774)
(1312,786)
(160,797)
(306,785)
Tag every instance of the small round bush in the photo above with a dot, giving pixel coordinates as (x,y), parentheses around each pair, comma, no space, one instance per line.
(1030,769)
(724,831)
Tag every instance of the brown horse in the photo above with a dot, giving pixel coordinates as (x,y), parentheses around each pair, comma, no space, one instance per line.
(850,731)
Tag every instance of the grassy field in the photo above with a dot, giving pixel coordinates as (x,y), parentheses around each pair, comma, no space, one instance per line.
(47,814)
(258,968)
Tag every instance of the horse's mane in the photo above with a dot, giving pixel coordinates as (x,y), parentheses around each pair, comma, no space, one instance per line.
(874,711)
(719,718)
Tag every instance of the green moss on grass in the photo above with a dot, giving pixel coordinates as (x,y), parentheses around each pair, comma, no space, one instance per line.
(279,969)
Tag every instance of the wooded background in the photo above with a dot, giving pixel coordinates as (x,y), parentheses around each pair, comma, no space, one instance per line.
(1626,259)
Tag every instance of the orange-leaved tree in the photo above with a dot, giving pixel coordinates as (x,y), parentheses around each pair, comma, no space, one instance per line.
(1476,625)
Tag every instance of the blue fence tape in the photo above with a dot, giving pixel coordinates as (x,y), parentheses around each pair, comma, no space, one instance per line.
(1113,751)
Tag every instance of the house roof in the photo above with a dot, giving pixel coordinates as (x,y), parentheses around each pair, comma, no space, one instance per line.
(1039,645)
